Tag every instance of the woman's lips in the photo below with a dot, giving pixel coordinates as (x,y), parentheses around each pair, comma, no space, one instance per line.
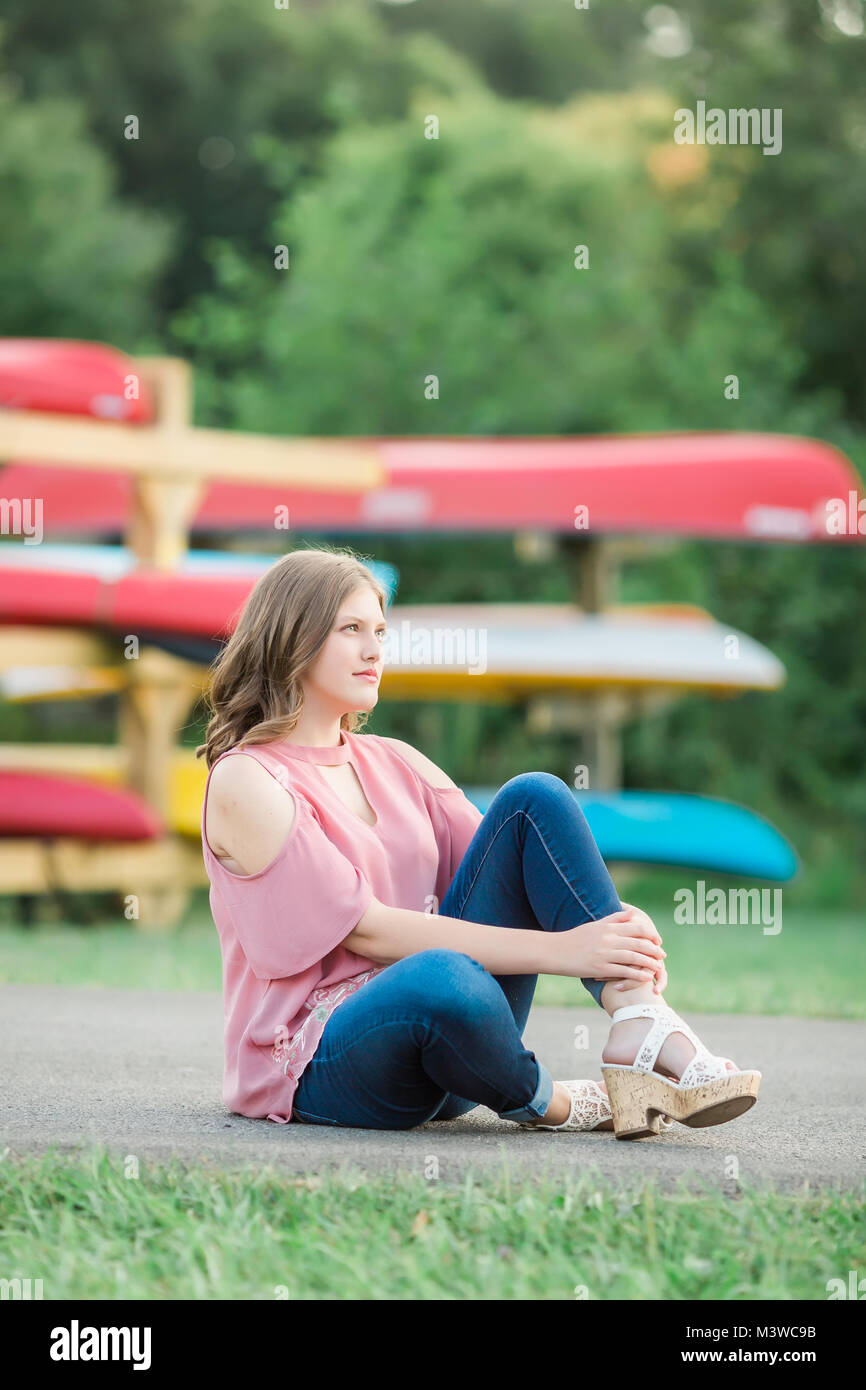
(365,676)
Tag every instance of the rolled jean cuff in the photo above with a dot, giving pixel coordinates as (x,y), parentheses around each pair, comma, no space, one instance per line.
(540,1103)
(595,988)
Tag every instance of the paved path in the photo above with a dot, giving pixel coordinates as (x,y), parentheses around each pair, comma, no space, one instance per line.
(141,1072)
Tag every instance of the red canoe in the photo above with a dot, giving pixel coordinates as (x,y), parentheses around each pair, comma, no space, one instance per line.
(72,378)
(38,803)
(732,485)
(194,604)
(735,486)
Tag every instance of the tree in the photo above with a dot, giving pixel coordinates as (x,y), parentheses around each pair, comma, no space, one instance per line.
(77,262)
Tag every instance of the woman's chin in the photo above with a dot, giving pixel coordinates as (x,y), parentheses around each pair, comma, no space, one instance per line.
(367,699)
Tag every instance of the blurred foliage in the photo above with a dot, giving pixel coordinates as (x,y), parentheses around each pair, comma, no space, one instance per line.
(454,257)
(77,261)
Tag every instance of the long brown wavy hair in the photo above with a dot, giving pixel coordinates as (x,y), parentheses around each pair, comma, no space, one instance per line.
(255,691)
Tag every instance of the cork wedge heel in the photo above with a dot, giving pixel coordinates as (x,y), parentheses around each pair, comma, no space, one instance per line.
(707,1093)
(590,1108)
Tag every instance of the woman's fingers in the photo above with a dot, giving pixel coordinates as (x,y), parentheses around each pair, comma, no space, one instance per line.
(634,966)
(640,951)
(631,948)
(659,978)
(632,961)
(638,919)
(638,923)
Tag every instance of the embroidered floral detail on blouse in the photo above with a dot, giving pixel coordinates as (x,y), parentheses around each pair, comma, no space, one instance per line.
(293,1053)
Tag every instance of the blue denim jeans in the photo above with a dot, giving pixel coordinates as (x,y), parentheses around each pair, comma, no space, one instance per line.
(435,1034)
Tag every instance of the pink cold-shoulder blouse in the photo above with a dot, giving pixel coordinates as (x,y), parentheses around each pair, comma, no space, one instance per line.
(284,967)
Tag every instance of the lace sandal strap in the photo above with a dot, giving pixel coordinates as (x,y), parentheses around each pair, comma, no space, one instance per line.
(589,1105)
(664,1022)
(704,1066)
(652,1044)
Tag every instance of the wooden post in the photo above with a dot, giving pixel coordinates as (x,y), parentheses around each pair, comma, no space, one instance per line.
(170,381)
(592,571)
(593,565)
(161,518)
(594,582)
(163,509)
(160,692)
(153,709)
(603,747)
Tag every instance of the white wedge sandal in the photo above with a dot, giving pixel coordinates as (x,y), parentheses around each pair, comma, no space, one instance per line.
(707,1093)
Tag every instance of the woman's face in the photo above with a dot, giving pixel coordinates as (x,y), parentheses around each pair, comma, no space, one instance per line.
(354,644)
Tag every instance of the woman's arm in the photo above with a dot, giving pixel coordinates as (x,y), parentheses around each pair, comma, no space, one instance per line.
(610,948)
(249,815)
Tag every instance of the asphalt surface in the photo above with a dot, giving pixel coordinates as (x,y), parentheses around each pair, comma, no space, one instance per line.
(140,1073)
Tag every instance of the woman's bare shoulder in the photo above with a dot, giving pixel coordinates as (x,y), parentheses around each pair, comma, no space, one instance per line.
(249,812)
(242,768)
(420,762)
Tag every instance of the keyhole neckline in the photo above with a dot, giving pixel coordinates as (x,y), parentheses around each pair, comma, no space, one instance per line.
(328,756)
(332,757)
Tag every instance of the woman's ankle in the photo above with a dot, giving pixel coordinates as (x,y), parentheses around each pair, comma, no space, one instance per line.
(613,999)
(559,1109)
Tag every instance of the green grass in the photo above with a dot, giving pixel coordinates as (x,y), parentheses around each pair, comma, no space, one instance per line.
(112,956)
(89,1228)
(814,967)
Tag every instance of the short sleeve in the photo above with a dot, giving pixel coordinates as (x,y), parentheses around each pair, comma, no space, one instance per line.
(454,818)
(302,905)
(462,819)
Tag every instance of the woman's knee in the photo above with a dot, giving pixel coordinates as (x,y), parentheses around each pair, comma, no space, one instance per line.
(535,786)
(447,983)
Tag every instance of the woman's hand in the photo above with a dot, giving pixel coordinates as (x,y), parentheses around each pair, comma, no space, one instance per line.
(625,945)
(660,983)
